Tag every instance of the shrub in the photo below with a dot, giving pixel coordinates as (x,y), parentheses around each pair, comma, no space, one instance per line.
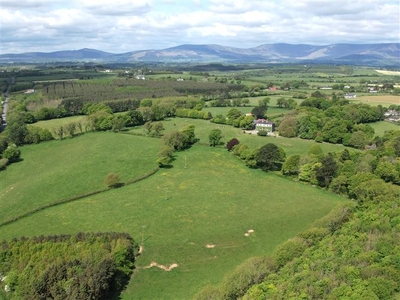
(112,180)
(3,163)
(230,144)
(251,272)
(289,250)
(12,153)
(262,133)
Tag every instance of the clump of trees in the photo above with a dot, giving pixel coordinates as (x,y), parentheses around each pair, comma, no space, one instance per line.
(235,118)
(81,266)
(175,141)
(269,157)
(334,122)
(192,113)
(349,173)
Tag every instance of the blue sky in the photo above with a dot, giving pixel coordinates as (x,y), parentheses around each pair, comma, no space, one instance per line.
(125,25)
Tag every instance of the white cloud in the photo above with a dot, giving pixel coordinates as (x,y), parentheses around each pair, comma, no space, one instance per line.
(116,7)
(126,25)
(27,3)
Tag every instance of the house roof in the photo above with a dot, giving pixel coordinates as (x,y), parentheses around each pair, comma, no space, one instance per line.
(262,121)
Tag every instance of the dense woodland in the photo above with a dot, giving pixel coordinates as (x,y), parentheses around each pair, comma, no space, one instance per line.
(81,266)
(353,253)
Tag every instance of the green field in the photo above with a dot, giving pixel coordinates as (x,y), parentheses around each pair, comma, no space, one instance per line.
(60,169)
(207,197)
(381,127)
(53,124)
(203,128)
(192,215)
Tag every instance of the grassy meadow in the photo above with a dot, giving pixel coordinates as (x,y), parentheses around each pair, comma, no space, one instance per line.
(384,100)
(203,128)
(53,124)
(60,169)
(382,126)
(207,197)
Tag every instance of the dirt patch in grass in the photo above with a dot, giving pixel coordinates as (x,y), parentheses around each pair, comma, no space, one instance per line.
(162,267)
(250,231)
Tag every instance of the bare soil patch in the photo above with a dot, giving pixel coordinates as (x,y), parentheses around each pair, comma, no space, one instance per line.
(250,231)
(162,267)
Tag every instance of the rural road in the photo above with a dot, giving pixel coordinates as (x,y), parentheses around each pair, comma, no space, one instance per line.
(4,115)
(5,110)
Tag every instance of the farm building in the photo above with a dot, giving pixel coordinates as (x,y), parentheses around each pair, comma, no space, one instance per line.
(392,115)
(350,96)
(264,125)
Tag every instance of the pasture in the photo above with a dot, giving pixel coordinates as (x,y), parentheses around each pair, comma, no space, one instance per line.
(382,126)
(194,214)
(56,170)
(384,100)
(203,128)
(53,124)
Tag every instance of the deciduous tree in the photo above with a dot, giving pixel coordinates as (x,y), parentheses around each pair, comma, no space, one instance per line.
(269,157)
(215,137)
(230,144)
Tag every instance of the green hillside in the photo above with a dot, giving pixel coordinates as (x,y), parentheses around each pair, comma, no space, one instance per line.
(208,197)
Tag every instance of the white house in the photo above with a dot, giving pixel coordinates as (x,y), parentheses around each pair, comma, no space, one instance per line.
(350,96)
(264,125)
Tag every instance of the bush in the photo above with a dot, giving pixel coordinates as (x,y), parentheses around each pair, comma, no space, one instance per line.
(289,250)
(12,153)
(3,163)
(112,180)
(251,272)
(230,144)
(262,133)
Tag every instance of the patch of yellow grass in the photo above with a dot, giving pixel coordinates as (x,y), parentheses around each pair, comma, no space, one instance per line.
(380,99)
(385,72)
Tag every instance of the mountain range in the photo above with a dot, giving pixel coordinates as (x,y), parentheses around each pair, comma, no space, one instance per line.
(383,54)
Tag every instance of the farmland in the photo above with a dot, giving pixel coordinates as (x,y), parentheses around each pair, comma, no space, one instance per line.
(177,227)
(206,210)
(385,100)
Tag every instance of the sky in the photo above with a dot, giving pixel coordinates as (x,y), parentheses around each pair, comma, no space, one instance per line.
(120,26)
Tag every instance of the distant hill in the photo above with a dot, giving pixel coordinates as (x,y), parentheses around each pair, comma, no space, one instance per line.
(382,54)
